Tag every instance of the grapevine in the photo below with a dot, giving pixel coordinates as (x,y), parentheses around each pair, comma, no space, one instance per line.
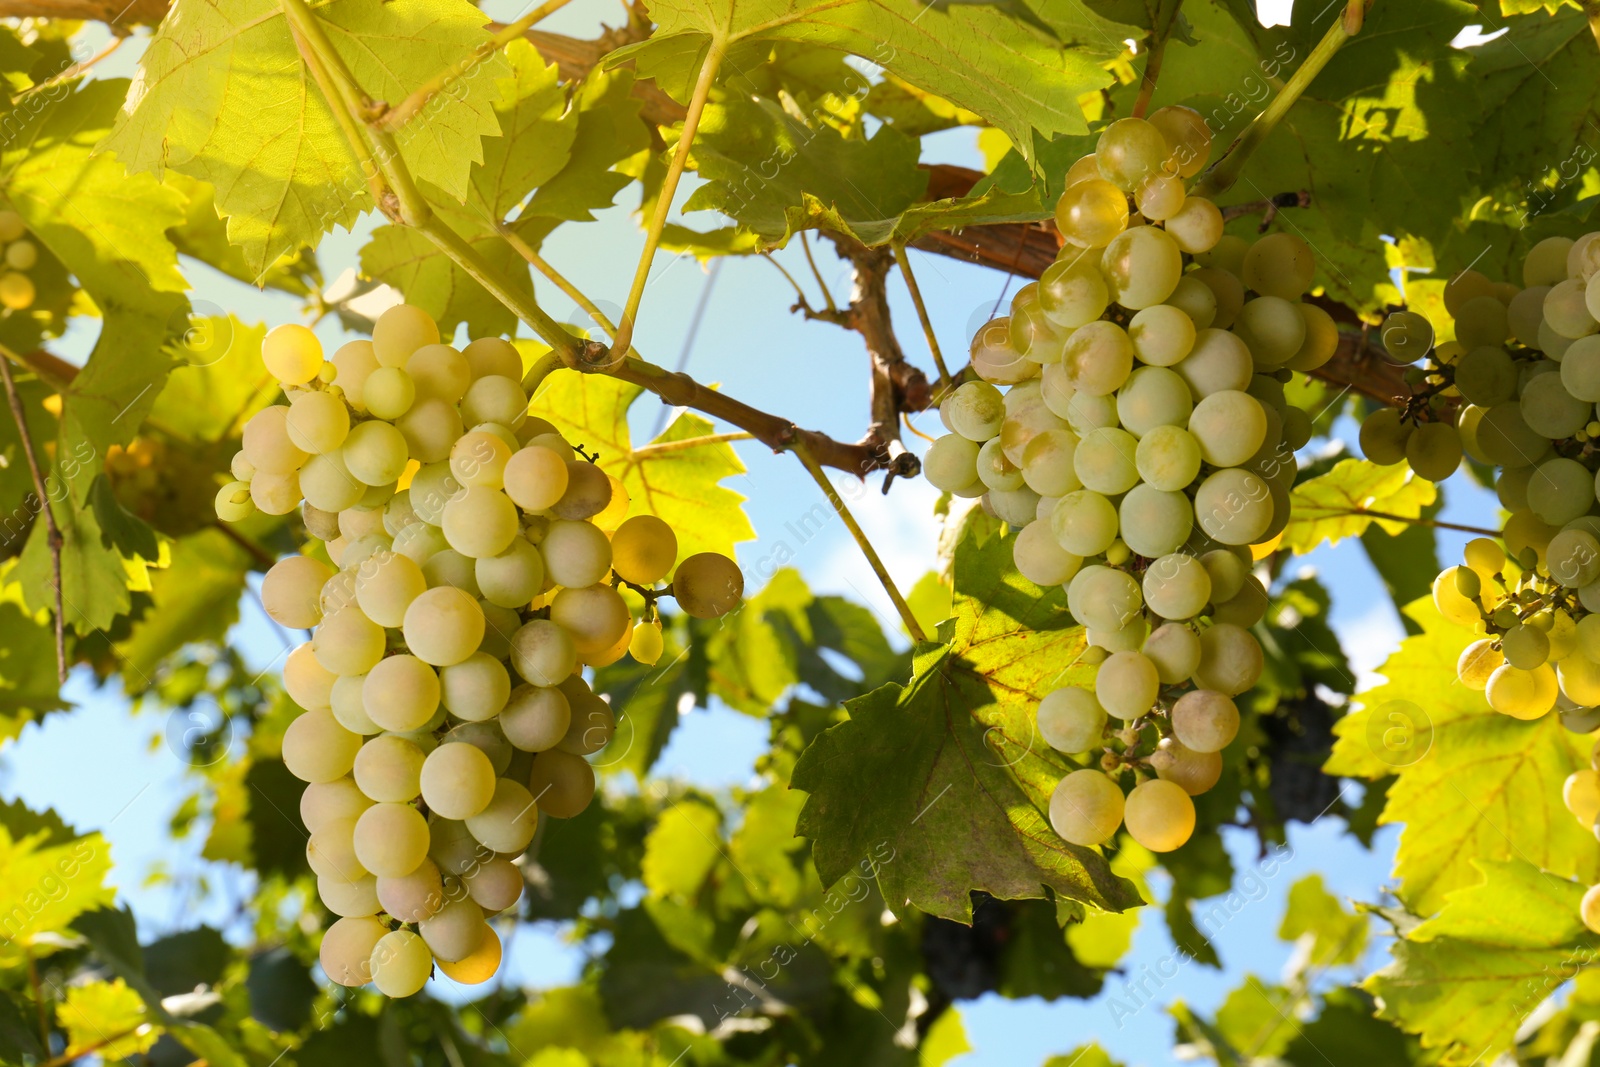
(452,533)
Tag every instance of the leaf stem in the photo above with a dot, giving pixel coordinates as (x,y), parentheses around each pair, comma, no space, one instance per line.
(669,187)
(913,627)
(396,117)
(74,1055)
(662,448)
(559,280)
(1419,521)
(816,273)
(1159,36)
(1225,171)
(52,530)
(904,262)
(542,368)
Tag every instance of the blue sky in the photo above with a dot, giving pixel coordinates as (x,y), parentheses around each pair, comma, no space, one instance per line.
(107,769)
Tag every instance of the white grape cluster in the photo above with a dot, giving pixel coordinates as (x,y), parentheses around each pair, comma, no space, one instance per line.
(1142,444)
(16,258)
(479,562)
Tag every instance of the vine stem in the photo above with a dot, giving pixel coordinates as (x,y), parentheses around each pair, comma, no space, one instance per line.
(669,186)
(904,262)
(93,1046)
(1419,521)
(684,444)
(406,110)
(913,627)
(560,281)
(52,530)
(1226,170)
(1152,64)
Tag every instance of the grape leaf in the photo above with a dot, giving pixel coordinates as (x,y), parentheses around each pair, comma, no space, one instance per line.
(1337,936)
(1471,784)
(44,887)
(680,485)
(1466,978)
(1341,503)
(1346,1032)
(28,686)
(95,1013)
(947,771)
(195,599)
(978,57)
(609,131)
(223,96)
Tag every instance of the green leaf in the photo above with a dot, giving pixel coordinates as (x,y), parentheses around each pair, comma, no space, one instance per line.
(45,886)
(94,577)
(609,131)
(1465,979)
(1084,1056)
(1471,785)
(18,1031)
(1348,1033)
(217,382)
(1337,936)
(680,485)
(196,598)
(649,698)
(682,849)
(1406,561)
(179,962)
(223,96)
(1341,503)
(939,780)
(28,686)
(94,1016)
(977,57)
(945,1040)
(281,990)
(1253,1019)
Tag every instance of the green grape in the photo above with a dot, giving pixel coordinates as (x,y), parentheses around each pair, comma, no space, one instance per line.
(513,578)
(1552,343)
(1229,426)
(1583,258)
(1297,429)
(1227,291)
(1407,336)
(493,357)
(508,823)
(976,411)
(347,949)
(1482,321)
(1162,334)
(993,358)
(1160,197)
(429,429)
(1228,572)
(439,372)
(595,616)
(995,470)
(1580,369)
(1126,685)
(1522,694)
(1560,490)
(1071,720)
(386,584)
(1246,608)
(1228,255)
(1434,450)
(447,567)
(1129,152)
(349,705)
(1546,263)
(575,553)
(1091,213)
(1151,397)
(388,392)
(1031,333)
(1234,507)
(1219,361)
(317,422)
(1463,287)
(1047,463)
(1579,681)
(1104,461)
(317,749)
(495,399)
(399,332)
(1322,340)
(443,626)
(1506,438)
(1230,659)
(391,839)
(233,502)
(1525,647)
(1159,815)
(401,964)
(1272,328)
(1550,411)
(1527,538)
(324,803)
(1098,358)
(563,784)
(1086,167)
(1142,266)
(1175,650)
(1280,265)
(1205,721)
(1567,311)
(1155,522)
(536,718)
(1197,227)
(1041,559)
(348,642)
(1086,412)
(388,769)
(479,521)
(1525,314)
(292,353)
(1177,586)
(1188,136)
(1573,557)
(401,693)
(1195,299)
(1086,808)
(266,443)
(291,591)
(1084,523)
(1168,458)
(1072,293)
(646,644)
(1103,598)
(457,780)
(375,453)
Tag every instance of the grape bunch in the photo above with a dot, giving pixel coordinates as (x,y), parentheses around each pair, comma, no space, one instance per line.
(19,255)
(1142,444)
(478,563)
(1524,375)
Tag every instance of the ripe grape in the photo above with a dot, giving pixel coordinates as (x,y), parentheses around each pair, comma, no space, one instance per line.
(1205,721)
(401,963)
(455,931)
(317,749)
(1197,227)
(1230,659)
(1154,522)
(1071,720)
(415,896)
(430,428)
(1129,152)
(1175,650)
(292,353)
(1091,213)
(1159,815)
(644,550)
(375,453)
(1072,292)
(1097,359)
(1433,450)
(513,578)
(1522,694)
(391,840)
(1142,266)
(291,591)
(401,693)
(1084,523)
(1233,506)
(708,585)
(508,822)
(1176,586)
(457,780)
(1086,808)
(543,653)
(1126,685)
(317,422)
(1103,598)
(1151,397)
(1219,361)
(1272,328)
(1229,426)
(443,626)
(1187,135)
(355,362)
(1550,411)
(400,331)
(388,767)
(386,584)
(536,718)
(1281,265)
(1167,458)
(594,616)
(1195,299)
(562,783)
(496,885)
(645,644)
(1162,334)
(348,642)
(347,950)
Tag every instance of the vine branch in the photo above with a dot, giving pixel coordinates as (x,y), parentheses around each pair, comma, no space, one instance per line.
(1225,171)
(669,187)
(913,627)
(52,530)
(1159,35)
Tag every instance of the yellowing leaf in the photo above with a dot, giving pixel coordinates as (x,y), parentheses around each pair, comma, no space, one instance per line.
(1466,978)
(1471,784)
(43,888)
(1351,497)
(677,483)
(107,1018)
